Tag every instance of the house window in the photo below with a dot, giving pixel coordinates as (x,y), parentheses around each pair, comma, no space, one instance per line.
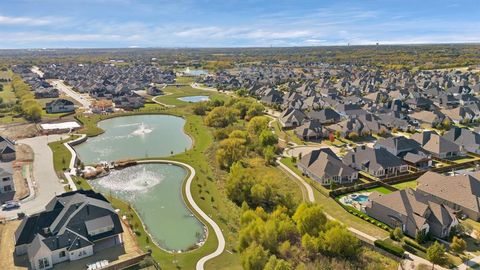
(7,188)
(5,179)
(43,263)
(62,254)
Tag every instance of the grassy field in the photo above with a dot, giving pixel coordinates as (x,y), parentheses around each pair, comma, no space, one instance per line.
(288,135)
(184,80)
(404,185)
(173,93)
(61,157)
(382,190)
(331,207)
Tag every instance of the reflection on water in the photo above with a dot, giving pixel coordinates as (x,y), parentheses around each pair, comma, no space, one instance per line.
(137,136)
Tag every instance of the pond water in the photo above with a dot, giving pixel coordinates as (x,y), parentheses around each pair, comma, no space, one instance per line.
(136,136)
(154,190)
(195,72)
(194,99)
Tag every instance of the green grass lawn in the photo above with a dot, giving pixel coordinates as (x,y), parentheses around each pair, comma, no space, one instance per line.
(404,185)
(184,80)
(61,157)
(288,135)
(331,207)
(382,190)
(173,93)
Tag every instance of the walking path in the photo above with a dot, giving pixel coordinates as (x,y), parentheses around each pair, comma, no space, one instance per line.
(218,232)
(469,264)
(71,167)
(308,188)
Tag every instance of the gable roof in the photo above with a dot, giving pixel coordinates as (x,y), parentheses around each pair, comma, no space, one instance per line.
(373,159)
(66,214)
(463,190)
(324,163)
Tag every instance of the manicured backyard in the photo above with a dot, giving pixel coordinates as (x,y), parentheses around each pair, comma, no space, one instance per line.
(404,185)
(332,208)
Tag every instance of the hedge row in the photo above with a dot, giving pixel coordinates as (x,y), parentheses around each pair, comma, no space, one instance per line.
(365,217)
(389,247)
(414,244)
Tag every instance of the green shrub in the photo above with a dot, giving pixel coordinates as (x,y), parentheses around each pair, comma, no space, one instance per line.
(390,247)
(414,244)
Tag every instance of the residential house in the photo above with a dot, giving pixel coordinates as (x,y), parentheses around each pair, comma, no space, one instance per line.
(377,162)
(154,91)
(325,167)
(291,118)
(460,192)
(6,177)
(7,149)
(427,117)
(311,130)
(468,140)
(412,212)
(73,226)
(60,106)
(398,146)
(325,116)
(437,145)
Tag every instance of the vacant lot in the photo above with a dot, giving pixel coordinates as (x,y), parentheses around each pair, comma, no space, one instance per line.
(7,231)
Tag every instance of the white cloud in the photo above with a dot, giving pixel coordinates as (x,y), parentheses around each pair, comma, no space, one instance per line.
(26,21)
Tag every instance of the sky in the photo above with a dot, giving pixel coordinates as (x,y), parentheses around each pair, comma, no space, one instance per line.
(234,23)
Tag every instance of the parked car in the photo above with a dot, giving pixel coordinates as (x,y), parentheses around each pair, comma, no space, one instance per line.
(10,205)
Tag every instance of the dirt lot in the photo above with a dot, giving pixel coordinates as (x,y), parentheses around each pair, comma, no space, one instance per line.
(21,167)
(19,131)
(7,232)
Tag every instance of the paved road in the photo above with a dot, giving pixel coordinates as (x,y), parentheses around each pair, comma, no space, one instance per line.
(61,86)
(218,232)
(37,70)
(44,176)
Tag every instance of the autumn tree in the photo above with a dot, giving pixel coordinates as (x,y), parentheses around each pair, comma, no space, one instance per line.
(221,117)
(255,109)
(230,150)
(257,124)
(254,257)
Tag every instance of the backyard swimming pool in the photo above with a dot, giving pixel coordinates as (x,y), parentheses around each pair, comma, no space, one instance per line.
(359,197)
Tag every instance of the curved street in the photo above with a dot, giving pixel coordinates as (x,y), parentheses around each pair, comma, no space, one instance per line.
(46,182)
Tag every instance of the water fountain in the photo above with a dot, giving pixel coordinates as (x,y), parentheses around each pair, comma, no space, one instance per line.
(142,130)
(154,190)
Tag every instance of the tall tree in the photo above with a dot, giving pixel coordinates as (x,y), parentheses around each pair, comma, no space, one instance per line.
(436,254)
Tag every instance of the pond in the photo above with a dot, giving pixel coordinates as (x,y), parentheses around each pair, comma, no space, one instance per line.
(154,190)
(195,72)
(194,99)
(136,136)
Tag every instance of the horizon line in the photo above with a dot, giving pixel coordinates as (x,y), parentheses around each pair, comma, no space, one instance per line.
(241,47)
